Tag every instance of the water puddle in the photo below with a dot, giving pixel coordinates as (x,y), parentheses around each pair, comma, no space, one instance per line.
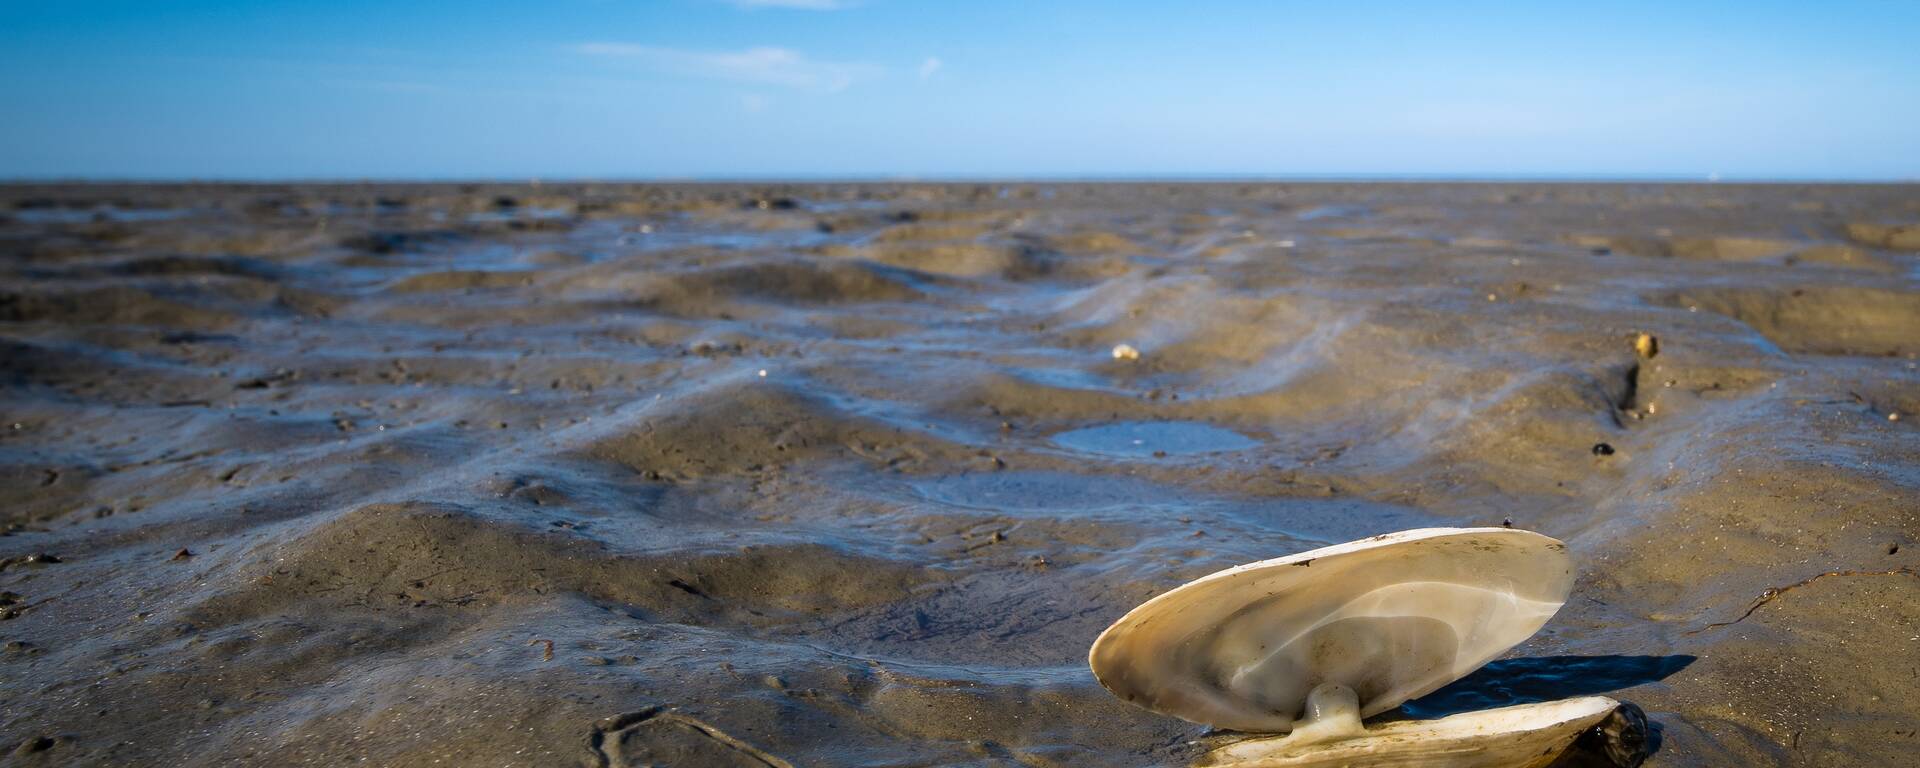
(102,214)
(1332,212)
(1153,438)
(519,214)
(844,206)
(1066,378)
(1050,492)
(1249,528)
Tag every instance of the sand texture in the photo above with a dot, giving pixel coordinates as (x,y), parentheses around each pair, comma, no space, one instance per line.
(848,475)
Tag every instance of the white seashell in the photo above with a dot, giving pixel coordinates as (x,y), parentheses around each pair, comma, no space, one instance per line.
(1312,643)
(1125,352)
(1392,617)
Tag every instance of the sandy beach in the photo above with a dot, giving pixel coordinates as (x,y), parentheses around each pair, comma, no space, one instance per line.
(849,475)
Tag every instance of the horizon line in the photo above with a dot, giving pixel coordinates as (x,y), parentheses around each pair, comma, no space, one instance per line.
(1094,178)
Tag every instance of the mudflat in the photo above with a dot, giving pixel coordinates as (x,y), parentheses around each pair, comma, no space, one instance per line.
(849,475)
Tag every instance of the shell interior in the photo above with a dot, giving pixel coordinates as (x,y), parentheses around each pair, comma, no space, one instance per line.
(1392,617)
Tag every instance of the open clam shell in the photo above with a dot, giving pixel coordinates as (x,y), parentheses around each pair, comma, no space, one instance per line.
(1392,617)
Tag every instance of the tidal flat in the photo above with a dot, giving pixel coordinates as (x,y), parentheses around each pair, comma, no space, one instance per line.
(849,474)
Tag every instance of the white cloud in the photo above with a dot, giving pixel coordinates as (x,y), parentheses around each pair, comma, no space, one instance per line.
(928,67)
(802,5)
(766,65)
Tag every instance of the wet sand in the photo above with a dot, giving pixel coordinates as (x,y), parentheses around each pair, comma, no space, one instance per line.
(847,475)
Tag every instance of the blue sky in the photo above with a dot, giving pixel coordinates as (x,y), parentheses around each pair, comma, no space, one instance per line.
(891,88)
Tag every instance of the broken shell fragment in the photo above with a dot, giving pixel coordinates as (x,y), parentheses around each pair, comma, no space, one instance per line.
(1310,644)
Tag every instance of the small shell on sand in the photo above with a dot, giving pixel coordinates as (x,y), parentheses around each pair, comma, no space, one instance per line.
(1125,352)
(1646,345)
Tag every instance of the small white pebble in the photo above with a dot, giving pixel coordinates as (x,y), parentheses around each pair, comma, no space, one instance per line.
(1125,352)
(763,373)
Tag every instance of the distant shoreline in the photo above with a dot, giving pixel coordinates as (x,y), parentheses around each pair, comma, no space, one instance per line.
(731,181)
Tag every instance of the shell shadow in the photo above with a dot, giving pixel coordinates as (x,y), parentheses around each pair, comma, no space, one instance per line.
(1547,678)
(1526,681)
